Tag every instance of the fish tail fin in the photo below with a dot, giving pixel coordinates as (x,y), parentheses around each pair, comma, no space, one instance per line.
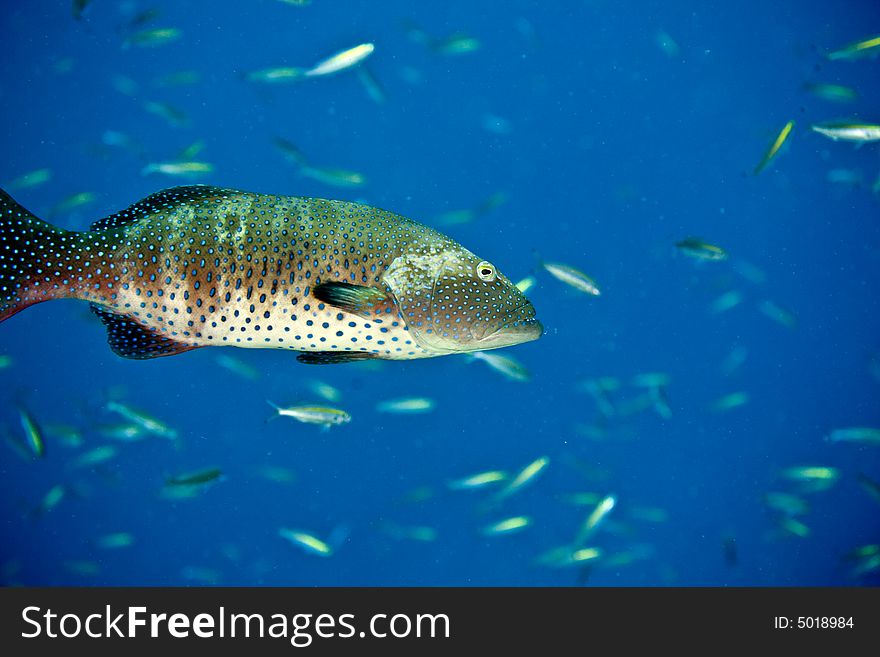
(31,252)
(276,414)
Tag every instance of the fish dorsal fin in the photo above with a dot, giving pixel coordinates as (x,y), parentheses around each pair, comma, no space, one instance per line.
(359,300)
(333,357)
(129,339)
(164,200)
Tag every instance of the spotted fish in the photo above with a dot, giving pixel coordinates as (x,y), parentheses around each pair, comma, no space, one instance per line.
(195,266)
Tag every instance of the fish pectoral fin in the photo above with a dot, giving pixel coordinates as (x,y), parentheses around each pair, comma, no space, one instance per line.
(356,299)
(333,357)
(129,339)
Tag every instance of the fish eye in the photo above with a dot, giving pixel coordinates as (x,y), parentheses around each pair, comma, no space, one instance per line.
(486,271)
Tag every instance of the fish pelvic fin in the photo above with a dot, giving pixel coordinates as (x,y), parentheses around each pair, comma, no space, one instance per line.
(31,256)
(333,357)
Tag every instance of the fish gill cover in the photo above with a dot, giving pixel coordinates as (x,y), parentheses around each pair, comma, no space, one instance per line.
(687,196)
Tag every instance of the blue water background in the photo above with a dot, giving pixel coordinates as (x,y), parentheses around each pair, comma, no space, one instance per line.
(613,152)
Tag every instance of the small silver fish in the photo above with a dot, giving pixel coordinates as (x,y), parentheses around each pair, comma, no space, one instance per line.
(507,366)
(697,248)
(321,415)
(30,179)
(857,132)
(406,405)
(572,277)
(152,37)
(341,61)
(279,74)
(306,541)
(864,435)
(178,169)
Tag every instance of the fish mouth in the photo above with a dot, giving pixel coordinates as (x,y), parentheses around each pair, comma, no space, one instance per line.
(519,326)
(524,331)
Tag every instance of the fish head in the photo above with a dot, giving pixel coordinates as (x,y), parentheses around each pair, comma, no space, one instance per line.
(455,302)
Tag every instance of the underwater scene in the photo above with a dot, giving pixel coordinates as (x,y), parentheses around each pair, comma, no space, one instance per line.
(465,293)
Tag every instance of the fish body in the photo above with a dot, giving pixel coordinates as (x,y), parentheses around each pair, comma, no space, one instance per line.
(504,365)
(833,92)
(325,391)
(811,473)
(728,402)
(66,435)
(526,284)
(566,555)
(30,179)
(786,503)
(123,432)
(114,541)
(371,85)
(290,151)
(238,367)
(524,477)
(341,60)
(199,478)
(275,75)
(406,405)
(321,415)
(774,147)
(335,177)
(309,543)
(601,510)
(789,525)
(666,43)
(726,301)
(865,435)
(507,525)
(33,435)
(697,248)
(840,176)
(865,48)
(51,499)
(196,266)
(72,202)
(478,480)
(778,314)
(857,132)
(146,422)
(277,474)
(572,277)
(174,116)
(183,169)
(153,37)
(456,44)
(95,457)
